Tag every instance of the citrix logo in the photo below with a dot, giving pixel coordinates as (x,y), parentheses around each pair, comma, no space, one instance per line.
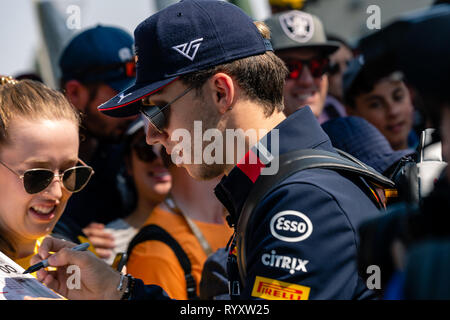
(284,262)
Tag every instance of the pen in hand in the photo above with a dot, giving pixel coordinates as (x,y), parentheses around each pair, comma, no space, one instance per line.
(44,263)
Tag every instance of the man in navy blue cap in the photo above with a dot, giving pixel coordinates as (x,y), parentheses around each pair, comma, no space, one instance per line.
(207,61)
(95,65)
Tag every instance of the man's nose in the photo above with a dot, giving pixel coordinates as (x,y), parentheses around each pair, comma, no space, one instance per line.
(305,78)
(152,135)
(394,109)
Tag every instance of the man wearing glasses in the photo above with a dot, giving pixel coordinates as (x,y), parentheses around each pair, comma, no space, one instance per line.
(298,38)
(207,61)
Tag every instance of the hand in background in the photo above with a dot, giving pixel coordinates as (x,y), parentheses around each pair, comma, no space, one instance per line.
(102,240)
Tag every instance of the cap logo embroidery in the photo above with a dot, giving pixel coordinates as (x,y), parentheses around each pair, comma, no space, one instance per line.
(122,96)
(297,25)
(125,54)
(185,48)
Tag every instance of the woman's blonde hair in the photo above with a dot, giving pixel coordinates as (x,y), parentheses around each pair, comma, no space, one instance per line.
(32,100)
(28,99)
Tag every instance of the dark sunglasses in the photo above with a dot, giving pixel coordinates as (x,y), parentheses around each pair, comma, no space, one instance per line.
(144,151)
(317,67)
(36,180)
(335,67)
(155,114)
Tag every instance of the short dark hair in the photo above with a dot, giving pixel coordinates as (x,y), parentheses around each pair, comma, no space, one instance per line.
(367,78)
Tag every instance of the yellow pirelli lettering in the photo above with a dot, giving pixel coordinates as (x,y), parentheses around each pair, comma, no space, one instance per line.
(271,289)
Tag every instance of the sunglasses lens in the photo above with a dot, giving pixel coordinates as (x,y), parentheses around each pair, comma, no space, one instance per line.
(145,152)
(318,67)
(74,179)
(37,180)
(155,116)
(295,69)
(334,68)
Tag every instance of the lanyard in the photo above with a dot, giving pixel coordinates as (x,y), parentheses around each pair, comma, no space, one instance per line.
(170,202)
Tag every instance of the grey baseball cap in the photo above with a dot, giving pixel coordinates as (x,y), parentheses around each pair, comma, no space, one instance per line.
(298,29)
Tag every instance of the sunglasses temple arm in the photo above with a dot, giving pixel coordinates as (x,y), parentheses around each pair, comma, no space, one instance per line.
(84,164)
(20,176)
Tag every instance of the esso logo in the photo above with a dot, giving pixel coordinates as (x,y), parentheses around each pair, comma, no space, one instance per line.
(291,226)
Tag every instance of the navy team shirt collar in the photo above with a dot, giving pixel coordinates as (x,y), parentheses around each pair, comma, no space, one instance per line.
(300,130)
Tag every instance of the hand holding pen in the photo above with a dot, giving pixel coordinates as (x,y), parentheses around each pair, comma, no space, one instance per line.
(44,263)
(97,279)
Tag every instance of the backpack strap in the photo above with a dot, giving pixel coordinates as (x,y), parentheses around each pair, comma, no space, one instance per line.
(289,164)
(154,232)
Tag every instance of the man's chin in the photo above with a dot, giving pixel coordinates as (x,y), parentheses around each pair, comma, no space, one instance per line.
(204,172)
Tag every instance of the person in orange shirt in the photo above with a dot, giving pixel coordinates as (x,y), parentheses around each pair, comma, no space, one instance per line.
(39,164)
(195,219)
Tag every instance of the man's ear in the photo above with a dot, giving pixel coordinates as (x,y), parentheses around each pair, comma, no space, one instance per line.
(77,94)
(223,89)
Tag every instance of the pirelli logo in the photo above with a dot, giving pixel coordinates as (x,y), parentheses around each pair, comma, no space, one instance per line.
(270,289)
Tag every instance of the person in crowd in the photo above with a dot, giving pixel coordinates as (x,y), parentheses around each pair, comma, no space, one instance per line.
(377,92)
(299,39)
(192,216)
(231,80)
(39,164)
(95,65)
(339,60)
(151,180)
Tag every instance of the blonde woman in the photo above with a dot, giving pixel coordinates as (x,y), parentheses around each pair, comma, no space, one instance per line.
(39,164)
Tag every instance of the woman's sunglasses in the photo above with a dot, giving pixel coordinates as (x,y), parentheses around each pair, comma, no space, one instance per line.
(36,180)
(144,151)
(317,67)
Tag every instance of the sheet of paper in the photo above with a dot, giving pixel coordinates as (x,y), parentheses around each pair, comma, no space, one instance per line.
(14,285)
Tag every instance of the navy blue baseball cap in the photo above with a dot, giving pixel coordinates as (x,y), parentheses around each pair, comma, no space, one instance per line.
(188,36)
(100,54)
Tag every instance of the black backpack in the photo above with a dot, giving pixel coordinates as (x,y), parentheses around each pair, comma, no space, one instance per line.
(154,232)
(289,164)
